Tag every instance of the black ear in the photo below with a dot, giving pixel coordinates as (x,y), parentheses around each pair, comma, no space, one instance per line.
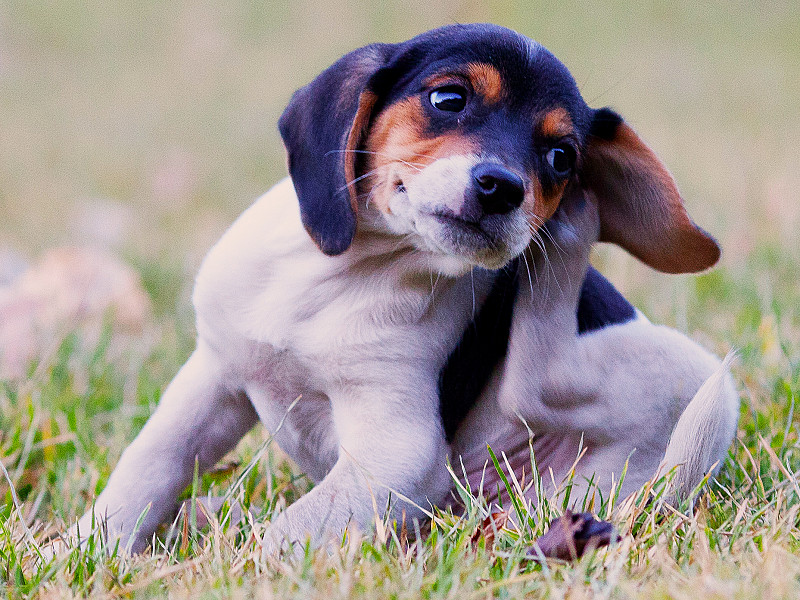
(640,206)
(321,128)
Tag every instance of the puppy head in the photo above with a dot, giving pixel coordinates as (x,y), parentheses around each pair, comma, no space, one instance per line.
(462,142)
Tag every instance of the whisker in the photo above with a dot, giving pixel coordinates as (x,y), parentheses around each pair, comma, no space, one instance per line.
(552,239)
(528,269)
(561,256)
(555,278)
(360,177)
(412,165)
(535,271)
(415,165)
(356,151)
(539,242)
(472,282)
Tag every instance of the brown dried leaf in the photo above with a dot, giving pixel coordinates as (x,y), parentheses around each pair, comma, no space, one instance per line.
(491,525)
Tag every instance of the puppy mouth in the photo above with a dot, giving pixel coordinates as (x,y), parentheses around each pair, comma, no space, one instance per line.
(490,241)
(436,206)
(465,231)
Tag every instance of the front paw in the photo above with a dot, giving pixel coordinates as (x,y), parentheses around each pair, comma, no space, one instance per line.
(284,540)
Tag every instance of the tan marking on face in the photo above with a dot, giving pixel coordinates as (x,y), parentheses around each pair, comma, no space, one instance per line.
(484,79)
(441,79)
(358,131)
(540,206)
(398,150)
(487,82)
(556,124)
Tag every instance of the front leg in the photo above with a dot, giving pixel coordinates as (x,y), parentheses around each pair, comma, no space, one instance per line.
(391,442)
(542,359)
(199,418)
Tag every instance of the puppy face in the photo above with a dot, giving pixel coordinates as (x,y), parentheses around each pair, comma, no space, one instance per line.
(462,142)
(472,154)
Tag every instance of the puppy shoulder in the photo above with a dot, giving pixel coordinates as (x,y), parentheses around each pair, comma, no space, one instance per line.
(255,246)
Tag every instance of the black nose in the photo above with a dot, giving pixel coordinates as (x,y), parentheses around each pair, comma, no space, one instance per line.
(498,190)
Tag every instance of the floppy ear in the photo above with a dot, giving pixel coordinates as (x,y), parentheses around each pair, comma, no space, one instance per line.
(321,128)
(639,204)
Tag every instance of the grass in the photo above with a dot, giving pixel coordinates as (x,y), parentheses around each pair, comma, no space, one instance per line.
(60,439)
(164,114)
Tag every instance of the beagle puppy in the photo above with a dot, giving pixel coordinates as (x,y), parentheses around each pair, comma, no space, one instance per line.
(341,309)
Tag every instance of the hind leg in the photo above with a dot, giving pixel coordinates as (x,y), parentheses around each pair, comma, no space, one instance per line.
(623,387)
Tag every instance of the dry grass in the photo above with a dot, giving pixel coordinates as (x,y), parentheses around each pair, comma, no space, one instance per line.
(145,128)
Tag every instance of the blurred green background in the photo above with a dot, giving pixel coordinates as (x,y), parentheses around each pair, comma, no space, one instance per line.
(148,126)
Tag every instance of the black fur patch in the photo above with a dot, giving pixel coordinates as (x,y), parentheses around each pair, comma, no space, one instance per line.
(485,341)
(483,345)
(314,128)
(601,305)
(605,124)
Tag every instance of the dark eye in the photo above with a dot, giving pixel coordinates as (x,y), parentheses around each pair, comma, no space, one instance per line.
(452,98)
(561,158)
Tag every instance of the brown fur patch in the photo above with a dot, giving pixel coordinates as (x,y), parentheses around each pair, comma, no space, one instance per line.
(641,208)
(487,82)
(556,124)
(484,79)
(355,137)
(543,205)
(398,150)
(441,79)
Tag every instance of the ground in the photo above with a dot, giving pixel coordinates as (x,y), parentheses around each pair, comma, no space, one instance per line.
(146,128)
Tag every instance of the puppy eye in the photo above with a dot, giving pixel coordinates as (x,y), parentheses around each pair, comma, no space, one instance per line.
(452,98)
(561,158)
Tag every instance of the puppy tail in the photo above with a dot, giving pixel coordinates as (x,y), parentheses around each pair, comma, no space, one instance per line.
(701,437)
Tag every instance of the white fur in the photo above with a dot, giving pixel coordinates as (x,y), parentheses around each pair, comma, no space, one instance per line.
(440,188)
(360,337)
(703,433)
